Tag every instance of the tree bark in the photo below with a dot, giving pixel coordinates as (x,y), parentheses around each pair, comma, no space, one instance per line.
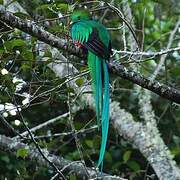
(11,145)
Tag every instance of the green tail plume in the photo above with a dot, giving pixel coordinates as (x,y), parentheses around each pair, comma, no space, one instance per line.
(98,67)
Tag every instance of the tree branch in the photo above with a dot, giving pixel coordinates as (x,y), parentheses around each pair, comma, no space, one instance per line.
(10,145)
(163,57)
(151,144)
(161,89)
(44,124)
(30,27)
(147,54)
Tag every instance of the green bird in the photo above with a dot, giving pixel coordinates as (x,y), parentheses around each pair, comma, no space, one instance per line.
(94,37)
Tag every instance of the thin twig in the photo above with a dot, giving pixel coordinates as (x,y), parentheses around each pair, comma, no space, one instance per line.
(82,131)
(45,124)
(35,142)
(9,126)
(70,120)
(122,17)
(163,57)
(149,54)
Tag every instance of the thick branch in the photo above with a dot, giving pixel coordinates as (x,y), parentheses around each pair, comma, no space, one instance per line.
(154,86)
(10,145)
(31,28)
(38,32)
(149,143)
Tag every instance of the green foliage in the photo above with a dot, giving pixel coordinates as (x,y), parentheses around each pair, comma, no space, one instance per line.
(51,97)
(22,152)
(72,177)
(9,45)
(89,143)
(80,81)
(126,156)
(134,165)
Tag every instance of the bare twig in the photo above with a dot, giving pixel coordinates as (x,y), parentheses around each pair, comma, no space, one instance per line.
(163,57)
(148,54)
(122,17)
(45,124)
(11,128)
(82,131)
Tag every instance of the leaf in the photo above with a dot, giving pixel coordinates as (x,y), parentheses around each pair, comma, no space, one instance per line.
(89,143)
(133,165)
(108,157)
(27,55)
(22,15)
(62,6)
(1,51)
(47,10)
(176,151)
(72,177)
(176,71)
(25,67)
(70,90)
(14,43)
(126,156)
(73,155)
(17,42)
(96,142)
(22,152)
(80,81)
(48,54)
(5,159)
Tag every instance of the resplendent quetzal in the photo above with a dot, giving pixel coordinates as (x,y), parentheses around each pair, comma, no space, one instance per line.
(93,36)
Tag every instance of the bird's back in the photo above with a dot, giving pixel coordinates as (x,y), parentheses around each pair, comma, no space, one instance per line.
(102,32)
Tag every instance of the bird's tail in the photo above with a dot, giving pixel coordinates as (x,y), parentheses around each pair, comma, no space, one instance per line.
(98,67)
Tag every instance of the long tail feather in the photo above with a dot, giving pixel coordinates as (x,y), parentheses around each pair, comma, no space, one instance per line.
(105,115)
(96,75)
(96,66)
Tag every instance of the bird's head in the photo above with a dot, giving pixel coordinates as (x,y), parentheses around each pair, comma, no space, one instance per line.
(78,15)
